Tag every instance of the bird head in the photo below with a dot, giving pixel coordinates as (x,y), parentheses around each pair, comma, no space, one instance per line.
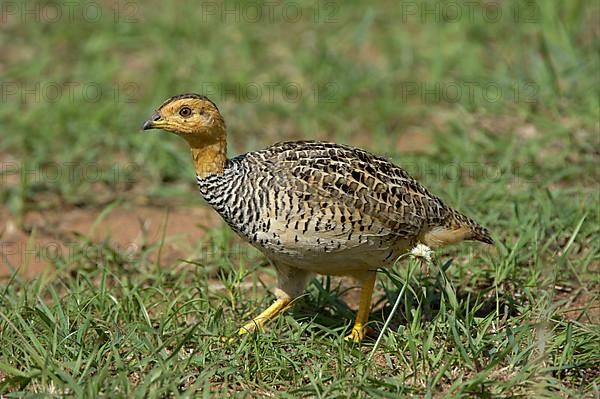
(197,119)
(191,116)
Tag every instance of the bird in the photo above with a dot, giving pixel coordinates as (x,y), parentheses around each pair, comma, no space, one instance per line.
(312,206)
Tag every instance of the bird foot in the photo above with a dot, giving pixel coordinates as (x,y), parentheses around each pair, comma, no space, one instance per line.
(250,327)
(229,340)
(235,338)
(356,335)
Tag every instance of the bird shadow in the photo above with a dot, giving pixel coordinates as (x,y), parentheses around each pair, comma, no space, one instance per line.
(425,296)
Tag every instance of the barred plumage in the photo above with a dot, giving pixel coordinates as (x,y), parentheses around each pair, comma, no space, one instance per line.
(313,206)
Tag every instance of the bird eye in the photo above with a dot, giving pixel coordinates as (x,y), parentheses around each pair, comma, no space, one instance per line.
(185,112)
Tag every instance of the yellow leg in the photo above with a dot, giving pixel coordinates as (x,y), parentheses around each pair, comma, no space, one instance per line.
(362,316)
(272,311)
(290,284)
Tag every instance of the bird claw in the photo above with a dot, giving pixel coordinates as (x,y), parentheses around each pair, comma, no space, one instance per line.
(250,327)
(356,335)
(229,340)
(246,329)
(235,338)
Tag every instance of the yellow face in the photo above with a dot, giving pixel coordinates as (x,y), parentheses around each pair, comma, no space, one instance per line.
(188,115)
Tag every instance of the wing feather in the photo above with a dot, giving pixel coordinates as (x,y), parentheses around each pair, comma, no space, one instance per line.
(376,196)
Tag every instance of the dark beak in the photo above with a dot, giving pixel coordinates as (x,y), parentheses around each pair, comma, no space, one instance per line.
(151,123)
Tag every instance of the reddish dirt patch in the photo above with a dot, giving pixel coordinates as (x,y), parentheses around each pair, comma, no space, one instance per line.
(128,229)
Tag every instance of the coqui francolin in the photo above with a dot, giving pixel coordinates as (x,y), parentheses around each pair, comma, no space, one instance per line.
(312,207)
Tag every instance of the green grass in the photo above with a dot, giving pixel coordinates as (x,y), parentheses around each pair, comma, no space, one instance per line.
(522,319)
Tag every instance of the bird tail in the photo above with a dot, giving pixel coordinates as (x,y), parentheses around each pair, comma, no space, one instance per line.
(456,228)
(473,230)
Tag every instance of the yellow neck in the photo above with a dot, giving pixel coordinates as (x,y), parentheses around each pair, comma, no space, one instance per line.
(209,157)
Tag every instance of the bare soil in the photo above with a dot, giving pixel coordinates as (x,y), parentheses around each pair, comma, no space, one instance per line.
(34,246)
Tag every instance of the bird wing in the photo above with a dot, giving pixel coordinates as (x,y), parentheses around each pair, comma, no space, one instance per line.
(370,189)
